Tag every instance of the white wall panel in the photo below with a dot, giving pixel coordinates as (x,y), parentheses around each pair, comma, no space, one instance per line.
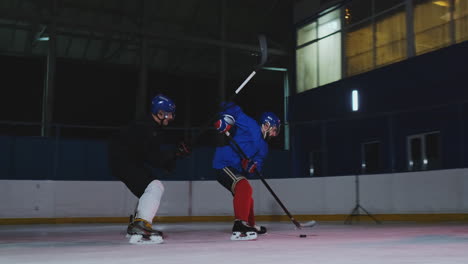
(443,191)
(89,198)
(210,198)
(175,200)
(34,199)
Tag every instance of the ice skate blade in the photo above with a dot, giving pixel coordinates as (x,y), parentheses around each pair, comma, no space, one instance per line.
(239,236)
(141,240)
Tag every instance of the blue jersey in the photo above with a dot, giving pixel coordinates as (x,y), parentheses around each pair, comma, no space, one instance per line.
(249,136)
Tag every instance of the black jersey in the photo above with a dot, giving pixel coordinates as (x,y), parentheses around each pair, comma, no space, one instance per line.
(140,144)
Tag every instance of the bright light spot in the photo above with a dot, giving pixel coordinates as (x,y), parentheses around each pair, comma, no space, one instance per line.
(425,161)
(441,3)
(355,100)
(411,163)
(43,39)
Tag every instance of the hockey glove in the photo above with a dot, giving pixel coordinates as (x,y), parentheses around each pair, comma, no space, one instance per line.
(249,165)
(183,150)
(224,123)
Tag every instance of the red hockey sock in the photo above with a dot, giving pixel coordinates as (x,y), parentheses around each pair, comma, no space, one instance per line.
(242,200)
(251,214)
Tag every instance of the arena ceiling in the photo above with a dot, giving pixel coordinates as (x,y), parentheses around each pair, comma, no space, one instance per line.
(184,36)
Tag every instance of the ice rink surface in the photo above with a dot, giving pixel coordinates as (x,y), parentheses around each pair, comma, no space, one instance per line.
(209,243)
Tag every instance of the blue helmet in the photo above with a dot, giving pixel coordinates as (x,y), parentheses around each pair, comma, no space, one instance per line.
(270,118)
(164,103)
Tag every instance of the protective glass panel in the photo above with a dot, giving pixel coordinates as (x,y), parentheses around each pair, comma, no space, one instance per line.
(306,68)
(391,37)
(431,25)
(329,50)
(461,20)
(359,51)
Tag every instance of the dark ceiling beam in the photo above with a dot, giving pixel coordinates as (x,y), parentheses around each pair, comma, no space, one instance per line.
(68,47)
(177,37)
(106,41)
(187,54)
(28,42)
(85,50)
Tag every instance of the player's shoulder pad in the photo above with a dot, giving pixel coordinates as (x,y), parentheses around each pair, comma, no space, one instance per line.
(230,108)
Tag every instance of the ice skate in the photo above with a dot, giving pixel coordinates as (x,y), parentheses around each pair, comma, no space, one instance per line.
(260,229)
(242,231)
(142,232)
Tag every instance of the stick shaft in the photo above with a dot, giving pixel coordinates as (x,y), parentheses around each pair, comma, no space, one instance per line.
(263,48)
(242,153)
(245,82)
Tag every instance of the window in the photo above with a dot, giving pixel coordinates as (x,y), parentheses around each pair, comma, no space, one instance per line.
(424,151)
(318,56)
(461,20)
(359,49)
(315,163)
(432,151)
(375,34)
(307,33)
(431,25)
(371,157)
(376,42)
(306,59)
(390,37)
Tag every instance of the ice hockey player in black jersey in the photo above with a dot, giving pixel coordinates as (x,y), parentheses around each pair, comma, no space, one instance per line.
(133,152)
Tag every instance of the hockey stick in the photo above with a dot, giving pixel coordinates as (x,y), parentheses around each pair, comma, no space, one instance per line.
(244,156)
(263,58)
(263,53)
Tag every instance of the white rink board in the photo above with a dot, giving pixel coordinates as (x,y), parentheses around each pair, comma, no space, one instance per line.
(442,191)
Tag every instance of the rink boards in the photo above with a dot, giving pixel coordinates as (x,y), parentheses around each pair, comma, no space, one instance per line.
(392,196)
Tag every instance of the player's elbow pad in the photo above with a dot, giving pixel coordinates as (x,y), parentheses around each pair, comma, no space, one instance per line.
(229,119)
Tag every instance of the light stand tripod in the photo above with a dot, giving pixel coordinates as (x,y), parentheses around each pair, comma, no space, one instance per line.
(355,211)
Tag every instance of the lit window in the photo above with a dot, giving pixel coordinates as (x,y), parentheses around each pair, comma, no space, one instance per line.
(318,56)
(307,33)
(390,37)
(461,20)
(359,49)
(431,25)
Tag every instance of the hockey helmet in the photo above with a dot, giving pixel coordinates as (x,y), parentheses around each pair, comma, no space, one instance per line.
(271,119)
(162,103)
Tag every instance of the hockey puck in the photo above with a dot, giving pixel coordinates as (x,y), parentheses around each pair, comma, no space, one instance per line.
(302,235)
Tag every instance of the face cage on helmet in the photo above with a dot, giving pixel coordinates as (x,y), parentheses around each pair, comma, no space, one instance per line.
(278,127)
(167,113)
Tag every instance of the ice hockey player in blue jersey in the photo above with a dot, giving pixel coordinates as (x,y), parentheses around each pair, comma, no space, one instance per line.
(233,171)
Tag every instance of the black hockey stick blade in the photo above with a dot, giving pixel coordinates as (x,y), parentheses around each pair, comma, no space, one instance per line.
(309,224)
(296,223)
(263,51)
